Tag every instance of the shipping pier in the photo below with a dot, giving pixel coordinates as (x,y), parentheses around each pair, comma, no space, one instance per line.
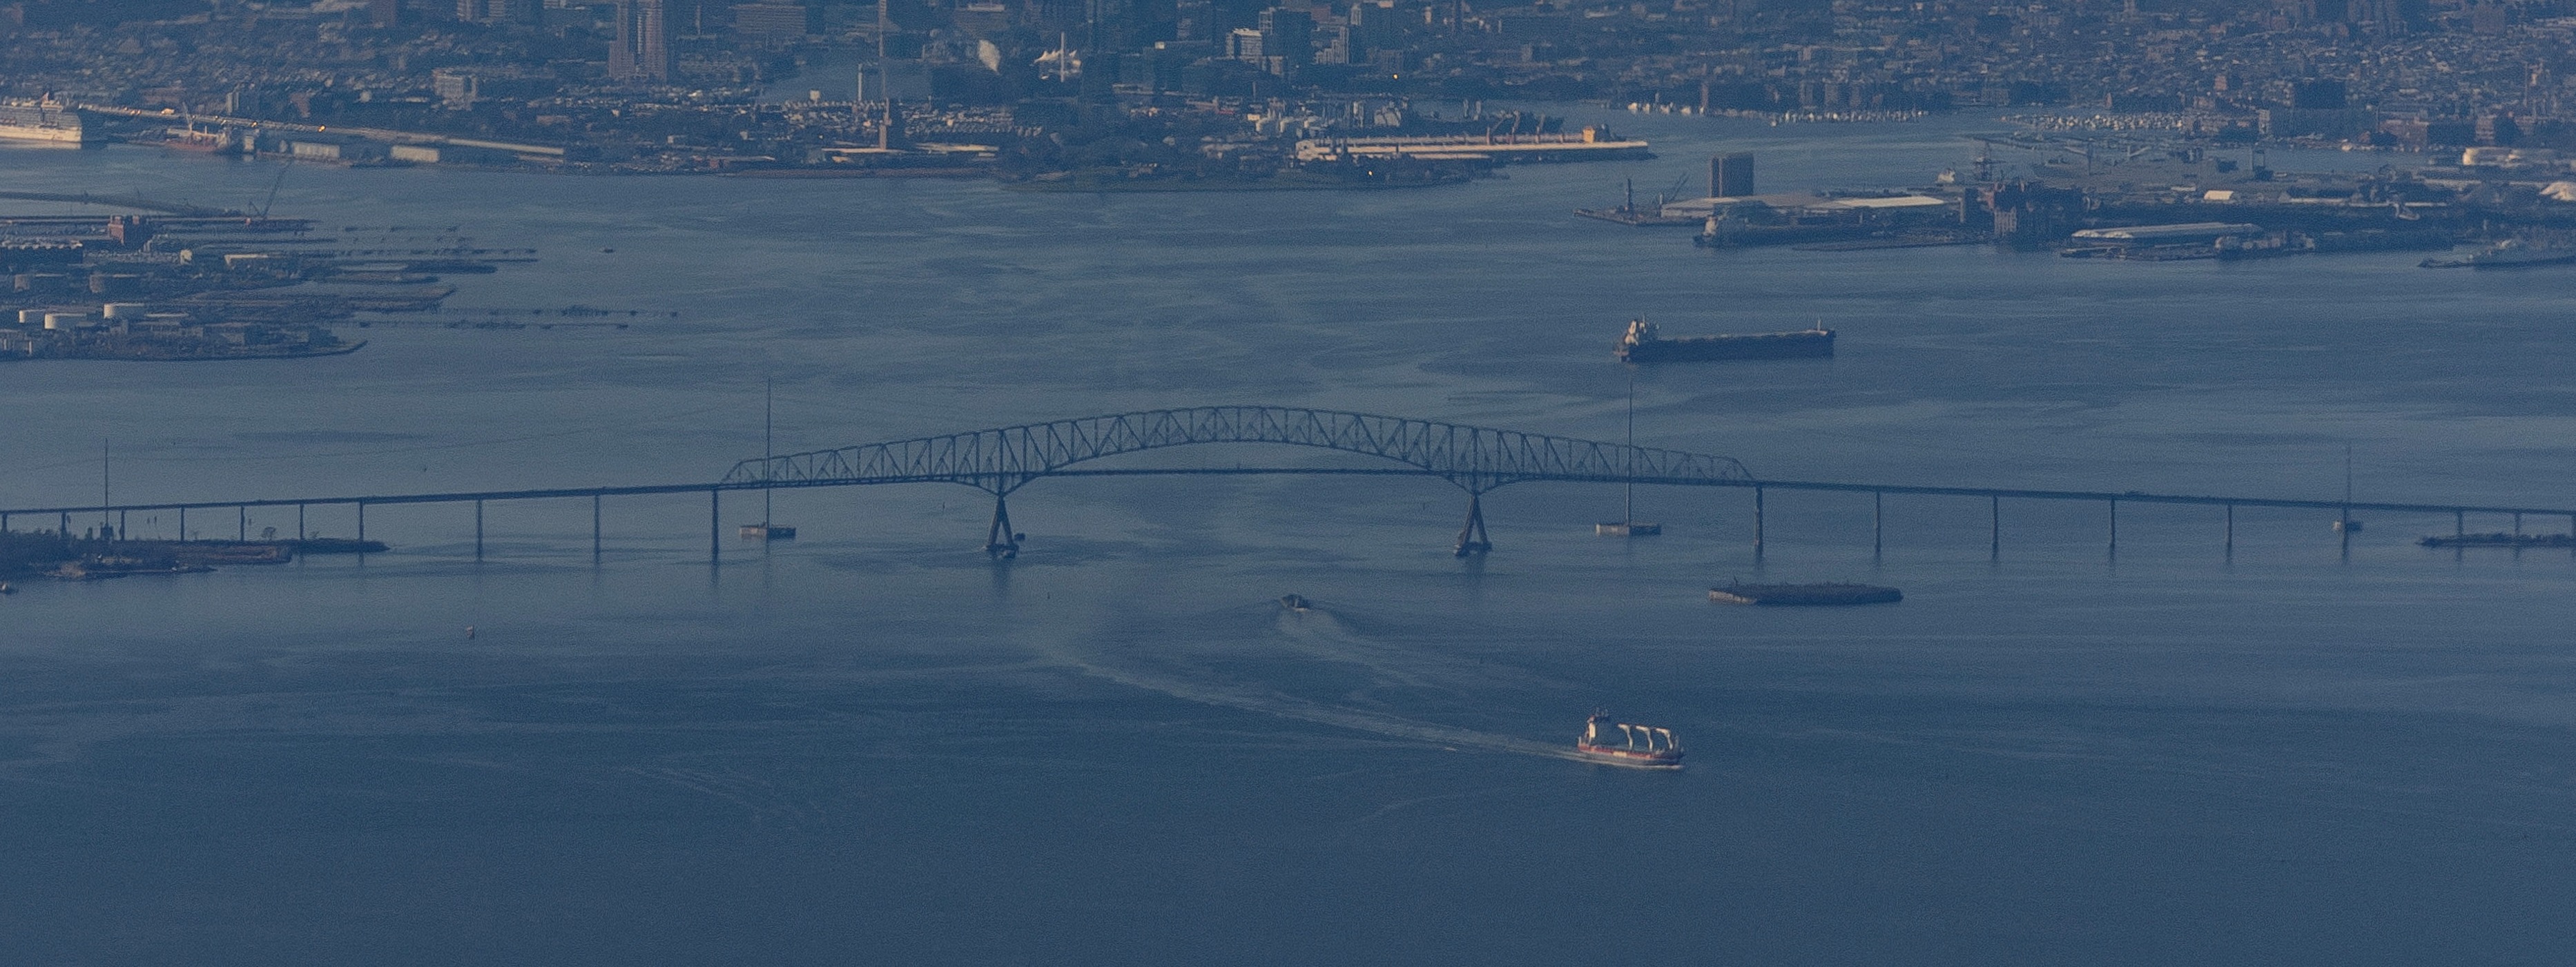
(1476,460)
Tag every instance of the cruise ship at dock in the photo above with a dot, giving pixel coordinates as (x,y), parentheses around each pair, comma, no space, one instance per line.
(43,121)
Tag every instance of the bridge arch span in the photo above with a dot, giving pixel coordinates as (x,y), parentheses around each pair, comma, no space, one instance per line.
(1004,459)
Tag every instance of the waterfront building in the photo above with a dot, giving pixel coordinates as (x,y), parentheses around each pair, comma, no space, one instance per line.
(1730,175)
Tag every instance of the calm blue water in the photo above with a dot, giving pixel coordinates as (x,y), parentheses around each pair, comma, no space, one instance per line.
(873,746)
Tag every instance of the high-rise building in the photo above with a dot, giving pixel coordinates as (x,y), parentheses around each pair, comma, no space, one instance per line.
(640,49)
(1730,175)
(1245,44)
(497,11)
(1288,34)
(773,21)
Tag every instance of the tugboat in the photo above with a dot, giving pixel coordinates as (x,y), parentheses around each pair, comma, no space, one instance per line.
(1639,746)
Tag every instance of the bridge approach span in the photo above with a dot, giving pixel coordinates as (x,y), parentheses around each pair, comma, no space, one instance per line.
(1004,459)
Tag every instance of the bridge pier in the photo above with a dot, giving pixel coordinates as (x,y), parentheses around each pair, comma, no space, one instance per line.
(2231,532)
(183,524)
(594,528)
(241,524)
(2115,527)
(300,532)
(1001,542)
(1877,524)
(1757,523)
(362,524)
(478,530)
(715,526)
(1472,538)
(1994,528)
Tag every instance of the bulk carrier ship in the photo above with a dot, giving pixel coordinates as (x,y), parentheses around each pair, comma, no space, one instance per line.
(43,121)
(1643,344)
(1636,746)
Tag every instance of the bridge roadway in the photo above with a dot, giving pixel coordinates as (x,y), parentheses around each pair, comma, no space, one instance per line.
(1475,459)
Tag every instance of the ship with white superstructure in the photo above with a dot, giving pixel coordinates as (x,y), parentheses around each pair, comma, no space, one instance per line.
(1634,746)
(45,120)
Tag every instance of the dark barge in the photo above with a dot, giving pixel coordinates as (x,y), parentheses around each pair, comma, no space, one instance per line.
(1804,595)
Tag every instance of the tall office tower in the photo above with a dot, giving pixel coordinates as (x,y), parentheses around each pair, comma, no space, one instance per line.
(640,50)
(1730,175)
(1288,35)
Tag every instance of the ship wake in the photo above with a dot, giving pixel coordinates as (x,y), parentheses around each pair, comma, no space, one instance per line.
(1321,640)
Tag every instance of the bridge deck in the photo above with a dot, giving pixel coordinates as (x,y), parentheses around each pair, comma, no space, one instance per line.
(2017,493)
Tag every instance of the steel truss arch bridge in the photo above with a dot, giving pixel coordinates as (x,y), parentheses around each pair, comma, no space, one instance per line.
(1004,459)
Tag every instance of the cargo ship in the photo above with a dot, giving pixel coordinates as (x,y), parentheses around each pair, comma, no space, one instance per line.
(1636,746)
(1643,344)
(1804,595)
(2514,255)
(43,121)
(2508,254)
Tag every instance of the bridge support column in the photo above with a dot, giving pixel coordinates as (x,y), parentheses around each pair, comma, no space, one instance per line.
(1994,528)
(120,525)
(2231,531)
(1757,523)
(594,528)
(300,532)
(1877,523)
(1472,538)
(2517,523)
(478,530)
(183,524)
(2115,527)
(2459,523)
(362,525)
(1001,542)
(241,524)
(715,526)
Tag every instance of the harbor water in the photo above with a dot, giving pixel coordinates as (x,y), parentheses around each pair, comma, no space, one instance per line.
(874,745)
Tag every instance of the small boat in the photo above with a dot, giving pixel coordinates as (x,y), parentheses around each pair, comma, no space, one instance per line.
(768,532)
(1296,603)
(1636,746)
